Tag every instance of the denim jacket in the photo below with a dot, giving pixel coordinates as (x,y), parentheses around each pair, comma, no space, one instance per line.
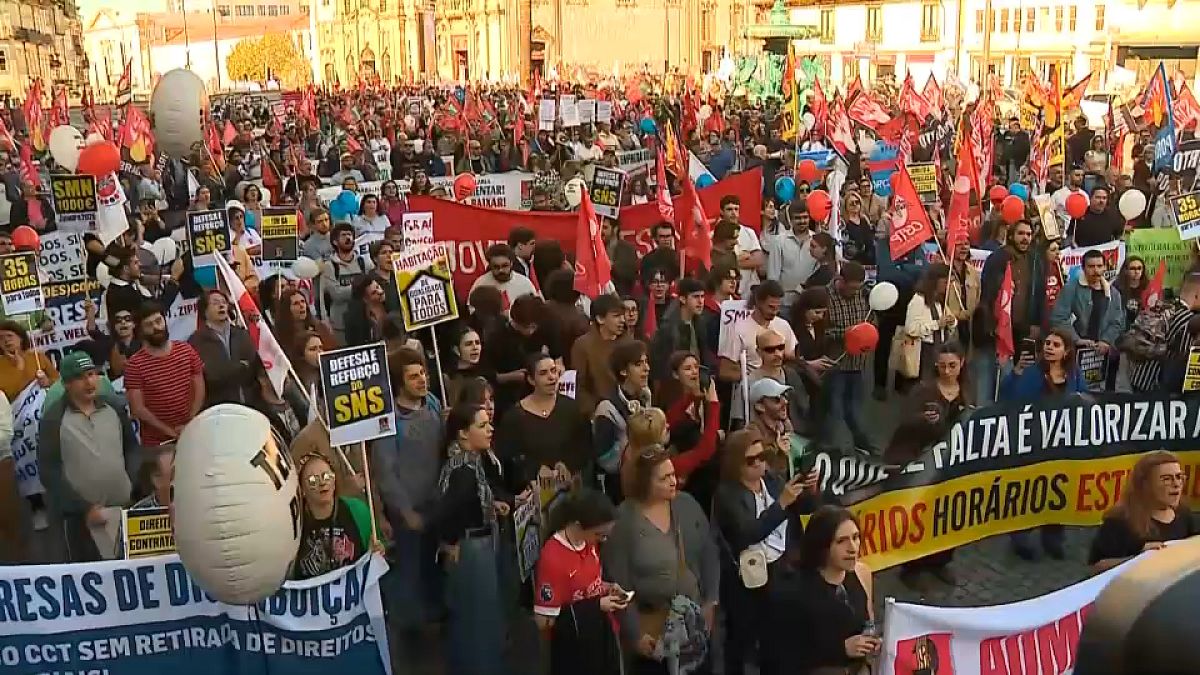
(1074,307)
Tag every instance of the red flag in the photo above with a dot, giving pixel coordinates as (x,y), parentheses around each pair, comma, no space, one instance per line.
(867,112)
(1072,96)
(60,110)
(666,207)
(910,226)
(352,144)
(695,230)
(960,200)
(593,272)
(125,85)
(840,132)
(1185,107)
(229,134)
(650,319)
(933,96)
(274,361)
(855,88)
(28,172)
(270,176)
(7,137)
(1003,311)
(34,121)
(910,101)
(1154,290)
(819,107)
(519,138)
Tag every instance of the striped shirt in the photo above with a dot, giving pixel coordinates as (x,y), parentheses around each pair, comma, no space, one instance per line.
(166,386)
(844,313)
(1146,375)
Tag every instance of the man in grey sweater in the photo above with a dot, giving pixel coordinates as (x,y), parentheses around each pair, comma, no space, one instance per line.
(338,275)
(86,453)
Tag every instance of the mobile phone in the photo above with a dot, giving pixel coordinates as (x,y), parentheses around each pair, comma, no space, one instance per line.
(807,461)
(1028,346)
(628,597)
(705,378)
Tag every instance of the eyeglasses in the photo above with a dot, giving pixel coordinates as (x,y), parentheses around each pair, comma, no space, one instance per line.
(1173,478)
(318,479)
(751,460)
(773,349)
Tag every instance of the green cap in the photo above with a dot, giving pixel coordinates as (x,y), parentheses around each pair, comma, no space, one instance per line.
(76,364)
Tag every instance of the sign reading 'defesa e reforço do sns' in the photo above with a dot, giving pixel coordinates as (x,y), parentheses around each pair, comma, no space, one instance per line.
(357,394)
(208,235)
(426,286)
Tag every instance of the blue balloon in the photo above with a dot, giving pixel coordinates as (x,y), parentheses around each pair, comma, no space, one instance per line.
(1019,190)
(704,180)
(785,188)
(647,125)
(343,207)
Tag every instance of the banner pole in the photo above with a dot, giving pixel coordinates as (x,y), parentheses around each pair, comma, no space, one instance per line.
(437,359)
(370,499)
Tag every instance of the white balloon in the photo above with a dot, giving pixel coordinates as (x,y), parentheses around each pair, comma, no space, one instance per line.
(64,144)
(962,185)
(103,276)
(574,191)
(237,513)
(809,119)
(179,105)
(165,250)
(705,112)
(884,296)
(1132,204)
(305,268)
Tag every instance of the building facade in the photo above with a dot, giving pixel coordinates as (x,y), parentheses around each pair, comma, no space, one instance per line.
(41,40)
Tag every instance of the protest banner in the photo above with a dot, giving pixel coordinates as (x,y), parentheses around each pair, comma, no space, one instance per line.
(27,420)
(75,205)
(1092,367)
(608,185)
(1009,467)
(1191,376)
(1071,259)
(1186,209)
(208,235)
(61,257)
(527,529)
(148,617)
(1039,635)
(417,228)
(64,307)
(924,178)
(636,163)
(357,394)
(20,286)
(426,286)
(147,532)
(1156,244)
(280,235)
(508,190)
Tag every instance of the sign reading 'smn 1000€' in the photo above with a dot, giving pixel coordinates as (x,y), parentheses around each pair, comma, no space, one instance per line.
(426,286)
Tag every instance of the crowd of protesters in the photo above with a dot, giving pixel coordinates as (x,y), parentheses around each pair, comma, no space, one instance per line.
(679,519)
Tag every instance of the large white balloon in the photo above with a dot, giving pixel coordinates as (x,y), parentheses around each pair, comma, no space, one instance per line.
(884,296)
(179,104)
(305,268)
(1132,203)
(64,144)
(237,511)
(165,250)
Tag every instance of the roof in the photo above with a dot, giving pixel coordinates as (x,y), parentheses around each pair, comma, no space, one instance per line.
(161,29)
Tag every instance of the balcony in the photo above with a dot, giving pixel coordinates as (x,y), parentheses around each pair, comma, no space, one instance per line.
(32,36)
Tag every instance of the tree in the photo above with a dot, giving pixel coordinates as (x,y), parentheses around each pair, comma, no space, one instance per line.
(274,54)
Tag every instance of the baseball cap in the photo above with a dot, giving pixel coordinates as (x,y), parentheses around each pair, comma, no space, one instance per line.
(76,364)
(767,388)
(234,205)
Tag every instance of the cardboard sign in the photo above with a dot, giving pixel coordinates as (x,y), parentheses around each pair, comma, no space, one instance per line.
(280,235)
(20,287)
(208,235)
(608,185)
(426,286)
(75,204)
(1045,207)
(61,257)
(603,112)
(1186,209)
(148,533)
(357,394)
(547,114)
(732,311)
(587,110)
(417,229)
(568,111)
(924,178)
(1191,376)
(1093,367)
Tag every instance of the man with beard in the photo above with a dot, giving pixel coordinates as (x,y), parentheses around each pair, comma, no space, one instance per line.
(511,285)
(338,275)
(86,447)
(1027,306)
(164,380)
(227,352)
(1101,224)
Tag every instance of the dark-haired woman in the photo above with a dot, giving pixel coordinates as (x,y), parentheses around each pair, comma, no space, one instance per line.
(466,362)
(573,605)
(756,513)
(466,523)
(366,313)
(926,318)
(381,257)
(1149,513)
(544,430)
(823,250)
(293,316)
(928,413)
(820,616)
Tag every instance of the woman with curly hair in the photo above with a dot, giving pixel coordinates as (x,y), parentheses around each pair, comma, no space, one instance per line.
(293,316)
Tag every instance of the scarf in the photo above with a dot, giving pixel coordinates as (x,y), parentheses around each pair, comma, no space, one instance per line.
(457,457)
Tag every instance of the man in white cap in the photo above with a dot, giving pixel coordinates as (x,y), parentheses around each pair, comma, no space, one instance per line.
(769,417)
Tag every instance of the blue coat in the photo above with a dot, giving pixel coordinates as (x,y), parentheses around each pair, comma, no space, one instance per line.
(1030,384)
(1074,307)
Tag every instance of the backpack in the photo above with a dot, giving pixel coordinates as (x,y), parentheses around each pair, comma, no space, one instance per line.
(1146,340)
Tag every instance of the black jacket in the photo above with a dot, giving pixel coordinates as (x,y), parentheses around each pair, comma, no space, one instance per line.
(983,322)
(672,336)
(734,514)
(228,374)
(583,642)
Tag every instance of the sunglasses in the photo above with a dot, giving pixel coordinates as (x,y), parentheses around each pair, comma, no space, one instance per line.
(773,349)
(318,479)
(751,460)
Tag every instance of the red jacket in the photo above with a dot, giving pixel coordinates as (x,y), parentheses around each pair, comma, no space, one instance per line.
(689,460)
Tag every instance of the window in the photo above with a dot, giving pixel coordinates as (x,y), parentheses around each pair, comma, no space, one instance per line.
(262,9)
(244,10)
(994,19)
(272,10)
(827,26)
(1100,17)
(3,60)
(1004,21)
(1058,19)
(1045,18)
(1016,21)
(1030,20)
(874,23)
(383,6)
(930,15)
(707,26)
(303,10)
(286,10)
(979,21)
(347,6)
(849,68)
(223,10)
(1074,16)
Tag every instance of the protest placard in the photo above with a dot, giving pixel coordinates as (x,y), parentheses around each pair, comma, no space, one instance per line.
(1092,367)
(587,110)
(425,284)
(924,178)
(547,114)
(208,235)
(357,394)
(567,110)
(567,383)
(604,112)
(75,205)
(1046,213)
(20,287)
(280,235)
(148,532)
(417,229)
(1186,209)
(607,188)
(61,257)
(1191,376)
(527,528)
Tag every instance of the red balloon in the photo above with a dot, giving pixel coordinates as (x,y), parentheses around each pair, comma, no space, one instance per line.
(997,193)
(464,186)
(25,238)
(1011,209)
(99,159)
(807,170)
(1077,205)
(818,204)
(861,338)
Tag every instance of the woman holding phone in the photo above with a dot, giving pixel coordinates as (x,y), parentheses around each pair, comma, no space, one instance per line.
(1054,374)
(756,513)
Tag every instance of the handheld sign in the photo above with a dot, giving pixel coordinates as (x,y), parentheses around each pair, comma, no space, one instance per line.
(280,235)
(20,287)
(357,394)
(208,234)
(607,187)
(148,533)
(417,228)
(75,205)
(924,178)
(1092,365)
(1186,209)
(425,284)
(1191,377)
(61,257)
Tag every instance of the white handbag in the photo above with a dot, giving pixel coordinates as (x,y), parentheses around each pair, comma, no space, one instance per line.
(752,567)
